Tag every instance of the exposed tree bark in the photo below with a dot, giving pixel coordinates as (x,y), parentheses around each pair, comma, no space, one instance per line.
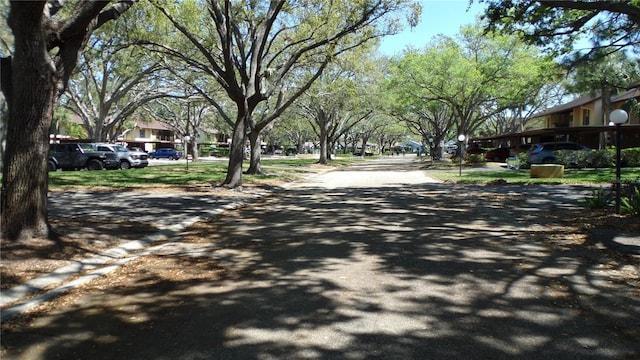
(236,152)
(324,122)
(37,81)
(254,162)
(33,94)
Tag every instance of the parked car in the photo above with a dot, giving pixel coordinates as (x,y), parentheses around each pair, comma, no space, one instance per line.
(166,153)
(77,156)
(127,159)
(451,147)
(500,154)
(359,153)
(476,150)
(543,153)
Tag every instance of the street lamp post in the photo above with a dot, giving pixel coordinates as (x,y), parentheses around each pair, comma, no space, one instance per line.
(461,139)
(618,117)
(187,138)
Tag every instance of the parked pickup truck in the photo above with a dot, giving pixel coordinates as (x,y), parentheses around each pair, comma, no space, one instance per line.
(128,159)
(77,156)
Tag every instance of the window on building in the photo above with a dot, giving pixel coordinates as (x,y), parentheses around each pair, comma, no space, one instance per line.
(143,133)
(585,116)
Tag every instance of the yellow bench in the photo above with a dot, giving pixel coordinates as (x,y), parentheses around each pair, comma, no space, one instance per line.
(546,171)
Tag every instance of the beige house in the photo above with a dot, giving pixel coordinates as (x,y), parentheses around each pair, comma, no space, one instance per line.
(155,135)
(150,136)
(587,111)
(147,136)
(582,121)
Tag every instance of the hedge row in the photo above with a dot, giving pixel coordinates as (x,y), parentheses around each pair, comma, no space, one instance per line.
(593,159)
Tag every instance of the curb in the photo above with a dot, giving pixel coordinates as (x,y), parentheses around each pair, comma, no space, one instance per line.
(125,253)
(101,263)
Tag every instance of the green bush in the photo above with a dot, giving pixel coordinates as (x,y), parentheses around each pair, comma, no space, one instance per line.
(631,204)
(474,158)
(630,157)
(573,159)
(522,158)
(220,152)
(604,158)
(598,200)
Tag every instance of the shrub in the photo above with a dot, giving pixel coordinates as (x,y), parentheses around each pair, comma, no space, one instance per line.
(522,158)
(220,152)
(603,158)
(630,157)
(598,200)
(631,204)
(474,158)
(571,158)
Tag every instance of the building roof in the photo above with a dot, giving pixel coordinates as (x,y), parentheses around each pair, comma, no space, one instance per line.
(154,124)
(556,131)
(629,94)
(568,107)
(633,92)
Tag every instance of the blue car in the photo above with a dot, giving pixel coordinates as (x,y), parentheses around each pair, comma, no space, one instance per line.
(166,153)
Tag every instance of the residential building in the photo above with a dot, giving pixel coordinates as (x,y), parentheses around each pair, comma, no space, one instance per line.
(148,136)
(581,120)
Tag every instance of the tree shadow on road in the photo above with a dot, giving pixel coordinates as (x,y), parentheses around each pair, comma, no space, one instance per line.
(424,272)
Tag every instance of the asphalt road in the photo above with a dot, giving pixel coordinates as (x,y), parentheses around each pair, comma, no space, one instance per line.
(374,262)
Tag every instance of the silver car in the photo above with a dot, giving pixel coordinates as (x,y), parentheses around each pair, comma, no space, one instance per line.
(543,153)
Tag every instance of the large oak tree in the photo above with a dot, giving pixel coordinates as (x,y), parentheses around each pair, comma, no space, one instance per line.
(609,25)
(467,80)
(48,39)
(255,49)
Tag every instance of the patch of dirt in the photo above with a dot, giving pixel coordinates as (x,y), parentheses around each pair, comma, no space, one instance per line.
(83,238)
(79,239)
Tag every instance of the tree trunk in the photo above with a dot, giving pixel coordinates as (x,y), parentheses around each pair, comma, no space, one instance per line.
(364,147)
(324,148)
(254,161)
(606,109)
(236,153)
(31,102)
(323,122)
(194,147)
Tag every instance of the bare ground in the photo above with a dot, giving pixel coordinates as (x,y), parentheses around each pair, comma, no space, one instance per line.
(83,238)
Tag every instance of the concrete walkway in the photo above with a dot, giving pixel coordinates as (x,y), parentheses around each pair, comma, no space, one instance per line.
(374,262)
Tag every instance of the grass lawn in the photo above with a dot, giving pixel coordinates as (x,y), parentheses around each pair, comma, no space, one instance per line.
(571,176)
(289,169)
(199,173)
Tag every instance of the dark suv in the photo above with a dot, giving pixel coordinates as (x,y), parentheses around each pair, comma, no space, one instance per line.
(76,156)
(543,153)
